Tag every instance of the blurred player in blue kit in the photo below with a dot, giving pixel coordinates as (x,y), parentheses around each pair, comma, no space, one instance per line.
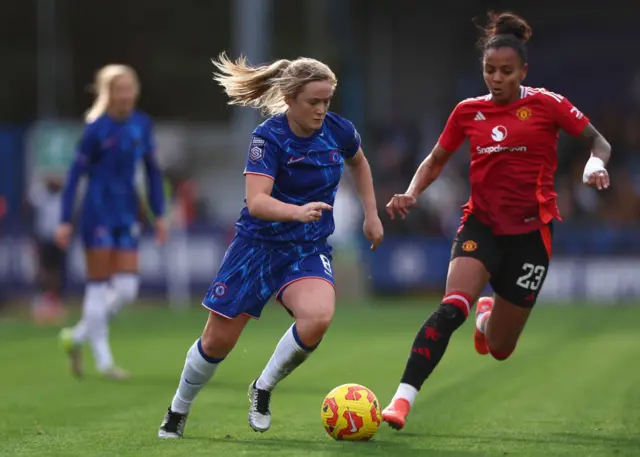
(116,137)
(295,162)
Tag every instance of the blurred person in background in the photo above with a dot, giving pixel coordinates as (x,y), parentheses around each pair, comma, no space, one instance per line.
(45,200)
(295,162)
(116,137)
(506,234)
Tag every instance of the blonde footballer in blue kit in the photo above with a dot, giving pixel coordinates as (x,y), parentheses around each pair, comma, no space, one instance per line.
(295,162)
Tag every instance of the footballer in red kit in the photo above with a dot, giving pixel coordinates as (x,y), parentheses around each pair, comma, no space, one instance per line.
(505,238)
(513,156)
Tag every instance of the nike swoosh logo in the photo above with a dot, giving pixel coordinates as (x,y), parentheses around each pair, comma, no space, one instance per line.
(292,160)
(190,383)
(353,424)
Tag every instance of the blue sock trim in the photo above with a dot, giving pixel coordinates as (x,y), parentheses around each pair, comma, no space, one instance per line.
(299,341)
(205,356)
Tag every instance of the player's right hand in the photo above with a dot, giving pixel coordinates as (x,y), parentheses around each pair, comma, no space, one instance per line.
(311,211)
(400,204)
(63,235)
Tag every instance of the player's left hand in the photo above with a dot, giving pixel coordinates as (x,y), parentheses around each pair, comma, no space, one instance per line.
(595,174)
(599,179)
(162,233)
(373,231)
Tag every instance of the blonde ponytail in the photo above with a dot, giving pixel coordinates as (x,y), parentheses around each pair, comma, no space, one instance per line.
(267,87)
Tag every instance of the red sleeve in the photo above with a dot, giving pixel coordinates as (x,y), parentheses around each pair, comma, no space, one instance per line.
(453,135)
(567,117)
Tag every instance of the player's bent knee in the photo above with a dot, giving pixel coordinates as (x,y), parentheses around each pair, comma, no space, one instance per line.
(317,312)
(315,323)
(500,354)
(500,346)
(312,326)
(312,304)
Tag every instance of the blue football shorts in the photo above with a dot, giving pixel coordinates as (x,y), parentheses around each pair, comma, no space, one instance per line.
(123,238)
(252,273)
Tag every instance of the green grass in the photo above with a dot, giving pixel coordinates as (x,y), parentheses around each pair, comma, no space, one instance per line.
(571,389)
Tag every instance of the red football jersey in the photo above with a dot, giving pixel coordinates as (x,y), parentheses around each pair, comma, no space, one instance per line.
(513,156)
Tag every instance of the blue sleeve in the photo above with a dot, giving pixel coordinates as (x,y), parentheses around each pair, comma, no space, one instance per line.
(351,142)
(155,191)
(263,158)
(80,165)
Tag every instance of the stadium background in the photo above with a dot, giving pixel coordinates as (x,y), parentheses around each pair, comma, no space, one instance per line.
(401,70)
(402,66)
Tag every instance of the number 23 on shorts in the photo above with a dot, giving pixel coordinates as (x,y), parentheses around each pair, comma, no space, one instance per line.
(532,276)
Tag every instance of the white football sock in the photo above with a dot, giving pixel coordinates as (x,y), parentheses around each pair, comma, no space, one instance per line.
(198,369)
(93,297)
(481,321)
(93,325)
(99,341)
(123,291)
(407,392)
(288,355)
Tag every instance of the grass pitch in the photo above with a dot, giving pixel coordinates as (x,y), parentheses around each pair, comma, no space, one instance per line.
(571,389)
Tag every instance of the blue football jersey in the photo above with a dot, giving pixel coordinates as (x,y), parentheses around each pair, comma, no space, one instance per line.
(108,153)
(304,170)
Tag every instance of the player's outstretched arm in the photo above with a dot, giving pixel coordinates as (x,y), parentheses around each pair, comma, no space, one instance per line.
(595,173)
(429,170)
(361,172)
(263,206)
(426,174)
